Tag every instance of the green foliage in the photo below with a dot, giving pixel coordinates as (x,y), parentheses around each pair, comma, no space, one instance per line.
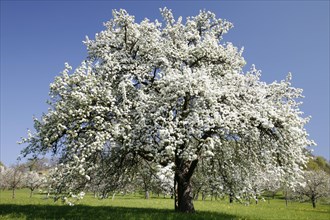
(318,163)
(135,207)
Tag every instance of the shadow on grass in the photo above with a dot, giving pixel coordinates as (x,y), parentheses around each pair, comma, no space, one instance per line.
(10,211)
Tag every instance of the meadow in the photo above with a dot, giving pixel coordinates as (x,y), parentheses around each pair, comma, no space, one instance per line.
(134,207)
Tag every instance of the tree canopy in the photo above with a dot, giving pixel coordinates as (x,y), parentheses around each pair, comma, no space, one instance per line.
(169,92)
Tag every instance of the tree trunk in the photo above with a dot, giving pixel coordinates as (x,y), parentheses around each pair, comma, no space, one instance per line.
(13,195)
(313,202)
(184,199)
(31,193)
(203,196)
(231,197)
(286,198)
(196,196)
(183,190)
(146,196)
(48,192)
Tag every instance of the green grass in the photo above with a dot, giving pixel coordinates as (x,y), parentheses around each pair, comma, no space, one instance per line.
(135,207)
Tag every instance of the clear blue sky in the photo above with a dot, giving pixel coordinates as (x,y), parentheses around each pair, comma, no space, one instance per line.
(37,37)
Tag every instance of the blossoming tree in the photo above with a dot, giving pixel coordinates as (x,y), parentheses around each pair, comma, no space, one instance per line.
(168,93)
(316,185)
(33,181)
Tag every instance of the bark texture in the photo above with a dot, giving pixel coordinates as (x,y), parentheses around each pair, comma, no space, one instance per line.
(182,186)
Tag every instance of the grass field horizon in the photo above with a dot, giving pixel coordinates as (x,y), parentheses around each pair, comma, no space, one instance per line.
(131,207)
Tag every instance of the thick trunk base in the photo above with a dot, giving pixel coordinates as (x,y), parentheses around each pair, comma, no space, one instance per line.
(183,195)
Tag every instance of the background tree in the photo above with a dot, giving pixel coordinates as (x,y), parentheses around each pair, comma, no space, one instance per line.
(316,185)
(271,185)
(13,177)
(38,165)
(145,177)
(33,180)
(2,177)
(200,182)
(165,177)
(171,93)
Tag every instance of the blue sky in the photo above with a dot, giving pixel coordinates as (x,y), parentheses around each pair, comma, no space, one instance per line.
(37,37)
